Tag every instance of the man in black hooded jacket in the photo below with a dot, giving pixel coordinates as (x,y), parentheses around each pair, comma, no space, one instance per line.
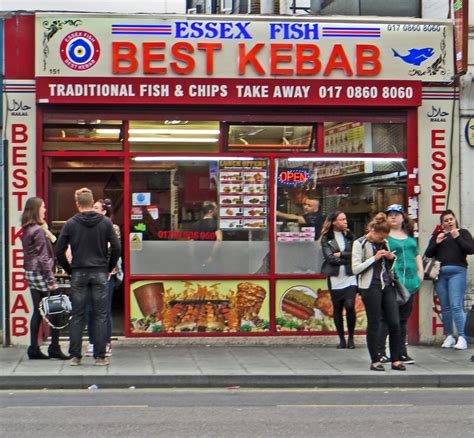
(89,235)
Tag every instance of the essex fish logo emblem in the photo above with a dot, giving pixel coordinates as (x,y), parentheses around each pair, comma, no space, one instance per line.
(415,56)
(79,50)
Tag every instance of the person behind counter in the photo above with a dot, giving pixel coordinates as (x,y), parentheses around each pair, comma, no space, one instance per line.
(336,243)
(208,223)
(371,261)
(450,245)
(311,216)
(39,268)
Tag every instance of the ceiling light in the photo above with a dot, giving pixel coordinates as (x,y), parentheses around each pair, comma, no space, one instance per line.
(174,131)
(181,158)
(176,122)
(160,131)
(174,140)
(107,131)
(335,159)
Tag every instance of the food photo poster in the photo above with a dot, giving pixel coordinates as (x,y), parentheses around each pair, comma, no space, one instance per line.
(200,306)
(305,305)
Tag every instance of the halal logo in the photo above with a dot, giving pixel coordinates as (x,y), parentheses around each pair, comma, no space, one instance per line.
(80,50)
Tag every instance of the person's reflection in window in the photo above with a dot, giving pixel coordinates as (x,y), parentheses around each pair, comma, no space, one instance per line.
(207,227)
(206,230)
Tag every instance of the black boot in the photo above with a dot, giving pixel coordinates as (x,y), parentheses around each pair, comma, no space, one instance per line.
(35,353)
(55,352)
(342,344)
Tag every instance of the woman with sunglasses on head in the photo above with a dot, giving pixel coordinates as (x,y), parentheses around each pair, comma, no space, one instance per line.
(372,261)
(39,265)
(451,245)
(409,269)
(336,243)
(104,206)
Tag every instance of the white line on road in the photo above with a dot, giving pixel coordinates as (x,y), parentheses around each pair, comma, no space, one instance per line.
(78,406)
(347,406)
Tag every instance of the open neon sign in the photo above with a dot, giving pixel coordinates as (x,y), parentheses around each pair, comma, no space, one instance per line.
(294,176)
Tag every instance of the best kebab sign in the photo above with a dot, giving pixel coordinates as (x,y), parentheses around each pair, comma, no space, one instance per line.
(161,60)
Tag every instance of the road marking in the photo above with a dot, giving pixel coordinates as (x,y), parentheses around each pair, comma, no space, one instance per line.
(78,406)
(404,405)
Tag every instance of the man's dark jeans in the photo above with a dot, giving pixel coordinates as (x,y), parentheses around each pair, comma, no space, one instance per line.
(88,286)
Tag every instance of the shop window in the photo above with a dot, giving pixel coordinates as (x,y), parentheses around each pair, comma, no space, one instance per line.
(307,191)
(270,137)
(364,138)
(104,176)
(82,135)
(198,217)
(174,136)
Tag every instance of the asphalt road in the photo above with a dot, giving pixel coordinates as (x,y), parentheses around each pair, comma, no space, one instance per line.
(236,412)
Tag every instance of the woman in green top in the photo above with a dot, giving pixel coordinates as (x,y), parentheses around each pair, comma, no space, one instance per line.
(409,268)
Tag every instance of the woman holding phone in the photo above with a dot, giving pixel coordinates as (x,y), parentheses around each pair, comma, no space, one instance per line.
(409,269)
(371,261)
(451,245)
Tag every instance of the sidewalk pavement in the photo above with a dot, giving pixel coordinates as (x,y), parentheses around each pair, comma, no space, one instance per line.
(203,366)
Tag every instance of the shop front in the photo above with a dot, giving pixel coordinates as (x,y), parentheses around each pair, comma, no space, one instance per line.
(223,144)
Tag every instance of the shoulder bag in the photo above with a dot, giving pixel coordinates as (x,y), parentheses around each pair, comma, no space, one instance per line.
(469,327)
(431,268)
(402,293)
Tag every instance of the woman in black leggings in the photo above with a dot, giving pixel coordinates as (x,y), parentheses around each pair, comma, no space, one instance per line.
(371,261)
(38,261)
(336,243)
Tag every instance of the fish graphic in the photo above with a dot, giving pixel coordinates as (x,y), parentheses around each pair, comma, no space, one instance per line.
(415,56)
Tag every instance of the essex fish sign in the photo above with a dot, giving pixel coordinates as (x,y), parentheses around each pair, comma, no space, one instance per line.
(228,48)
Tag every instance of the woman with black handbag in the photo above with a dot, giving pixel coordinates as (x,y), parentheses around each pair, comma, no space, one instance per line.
(371,262)
(408,268)
(39,265)
(336,243)
(451,245)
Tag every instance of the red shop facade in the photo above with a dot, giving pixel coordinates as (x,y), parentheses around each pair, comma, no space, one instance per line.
(165,115)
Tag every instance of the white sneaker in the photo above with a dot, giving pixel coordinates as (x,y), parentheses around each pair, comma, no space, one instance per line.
(90,350)
(461,344)
(108,349)
(449,342)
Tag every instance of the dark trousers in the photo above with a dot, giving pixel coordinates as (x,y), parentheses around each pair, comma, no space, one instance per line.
(344,299)
(90,312)
(88,286)
(35,323)
(380,302)
(404,312)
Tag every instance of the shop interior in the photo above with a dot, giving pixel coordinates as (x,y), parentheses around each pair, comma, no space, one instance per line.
(167,193)
(105,177)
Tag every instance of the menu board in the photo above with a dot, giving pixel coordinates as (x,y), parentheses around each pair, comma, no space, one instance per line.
(345,138)
(243,194)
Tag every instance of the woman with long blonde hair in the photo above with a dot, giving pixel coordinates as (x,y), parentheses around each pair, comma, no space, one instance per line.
(372,261)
